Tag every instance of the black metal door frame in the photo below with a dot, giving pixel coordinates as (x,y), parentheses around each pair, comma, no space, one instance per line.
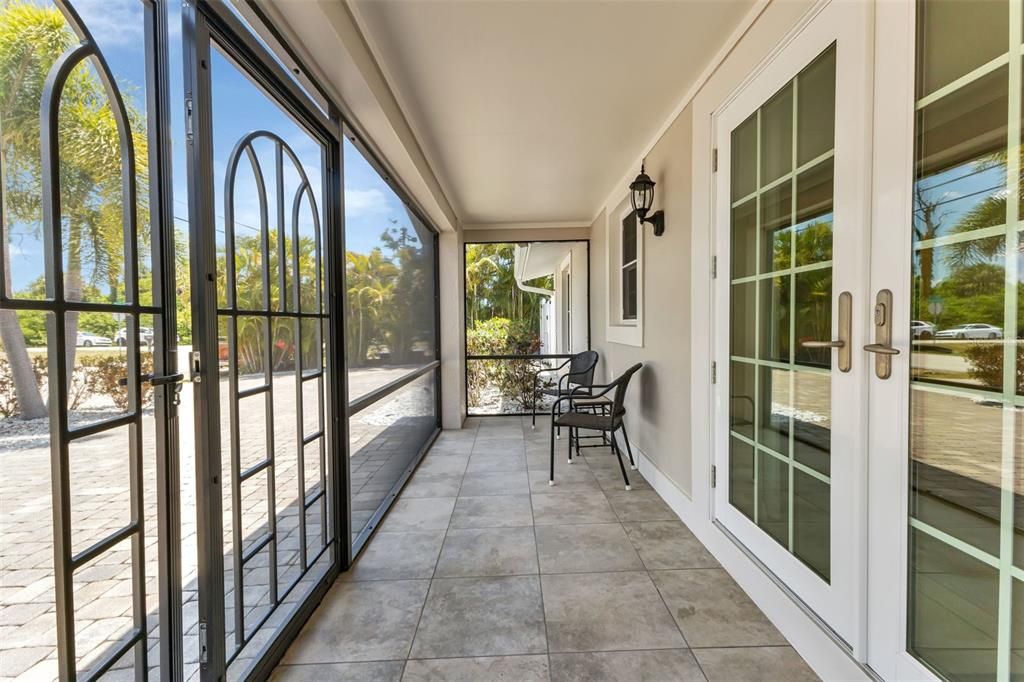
(204,24)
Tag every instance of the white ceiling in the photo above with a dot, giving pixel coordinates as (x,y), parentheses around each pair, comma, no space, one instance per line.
(529,111)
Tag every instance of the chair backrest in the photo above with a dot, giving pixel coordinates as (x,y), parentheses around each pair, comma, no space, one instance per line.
(581,367)
(621,384)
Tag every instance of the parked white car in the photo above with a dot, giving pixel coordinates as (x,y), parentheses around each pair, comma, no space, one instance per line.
(971,331)
(88,339)
(922,330)
(145,336)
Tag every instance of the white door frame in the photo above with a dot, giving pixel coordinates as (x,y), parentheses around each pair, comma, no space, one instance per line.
(841,604)
(888,409)
(564,304)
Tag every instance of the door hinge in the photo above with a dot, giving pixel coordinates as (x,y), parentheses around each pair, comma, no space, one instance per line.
(714,475)
(204,652)
(714,267)
(714,160)
(714,372)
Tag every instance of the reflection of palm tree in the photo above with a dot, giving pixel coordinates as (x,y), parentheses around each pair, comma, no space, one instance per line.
(990,212)
(926,223)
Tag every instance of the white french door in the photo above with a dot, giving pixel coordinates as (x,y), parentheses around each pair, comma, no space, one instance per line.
(947,434)
(868,193)
(792,214)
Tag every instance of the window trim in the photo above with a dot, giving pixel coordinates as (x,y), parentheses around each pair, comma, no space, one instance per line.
(618,329)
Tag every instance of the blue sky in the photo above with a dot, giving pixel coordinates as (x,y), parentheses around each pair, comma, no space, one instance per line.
(238,108)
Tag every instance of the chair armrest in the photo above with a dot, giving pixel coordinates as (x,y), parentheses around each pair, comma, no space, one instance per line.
(553,369)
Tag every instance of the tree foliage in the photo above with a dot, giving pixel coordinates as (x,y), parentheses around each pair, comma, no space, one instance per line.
(32,38)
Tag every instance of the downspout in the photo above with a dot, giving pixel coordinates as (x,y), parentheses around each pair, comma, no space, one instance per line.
(526,287)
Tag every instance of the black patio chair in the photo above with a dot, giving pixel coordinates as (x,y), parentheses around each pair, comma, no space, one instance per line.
(608,421)
(579,376)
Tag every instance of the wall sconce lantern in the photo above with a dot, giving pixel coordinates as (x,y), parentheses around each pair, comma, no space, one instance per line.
(641,193)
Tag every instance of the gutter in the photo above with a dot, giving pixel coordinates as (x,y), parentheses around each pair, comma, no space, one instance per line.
(520,266)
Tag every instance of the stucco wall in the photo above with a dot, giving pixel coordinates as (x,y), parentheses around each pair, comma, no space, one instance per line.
(658,407)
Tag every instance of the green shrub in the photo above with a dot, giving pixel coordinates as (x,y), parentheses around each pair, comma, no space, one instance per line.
(985,364)
(94,373)
(514,378)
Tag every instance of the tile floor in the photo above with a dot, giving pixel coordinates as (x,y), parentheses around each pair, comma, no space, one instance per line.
(481,571)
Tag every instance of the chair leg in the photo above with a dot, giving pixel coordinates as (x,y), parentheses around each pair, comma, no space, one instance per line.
(618,455)
(551,477)
(577,442)
(533,418)
(570,444)
(629,449)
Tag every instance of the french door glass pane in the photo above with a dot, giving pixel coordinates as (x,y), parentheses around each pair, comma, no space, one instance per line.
(966,366)
(780,397)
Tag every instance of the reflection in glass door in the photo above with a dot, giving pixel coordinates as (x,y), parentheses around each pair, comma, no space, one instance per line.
(965,553)
(781,275)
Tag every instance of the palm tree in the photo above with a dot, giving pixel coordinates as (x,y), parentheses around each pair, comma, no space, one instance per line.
(31,40)
(370,284)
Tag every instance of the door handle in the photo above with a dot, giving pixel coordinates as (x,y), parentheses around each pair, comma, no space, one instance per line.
(882,347)
(171,380)
(843,342)
(164,380)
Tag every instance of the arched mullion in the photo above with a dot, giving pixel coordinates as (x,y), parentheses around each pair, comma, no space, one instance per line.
(65,563)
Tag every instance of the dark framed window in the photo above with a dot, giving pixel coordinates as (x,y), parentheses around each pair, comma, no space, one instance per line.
(629,267)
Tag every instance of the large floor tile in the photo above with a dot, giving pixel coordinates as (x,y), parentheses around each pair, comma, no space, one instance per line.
(640,505)
(375,671)
(443,464)
(427,513)
(664,664)
(492,668)
(610,479)
(586,548)
(488,552)
(581,507)
(568,479)
(495,483)
(481,617)
(492,511)
(426,484)
(366,621)
(396,556)
(460,446)
(756,664)
(496,461)
(712,610)
(668,544)
(606,612)
(499,445)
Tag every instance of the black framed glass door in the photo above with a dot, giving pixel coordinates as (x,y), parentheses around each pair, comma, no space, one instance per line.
(263,211)
(90,530)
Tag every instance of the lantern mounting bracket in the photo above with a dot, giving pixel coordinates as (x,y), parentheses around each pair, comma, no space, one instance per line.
(657,219)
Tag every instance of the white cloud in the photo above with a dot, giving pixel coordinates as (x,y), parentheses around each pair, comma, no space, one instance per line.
(365,201)
(119,24)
